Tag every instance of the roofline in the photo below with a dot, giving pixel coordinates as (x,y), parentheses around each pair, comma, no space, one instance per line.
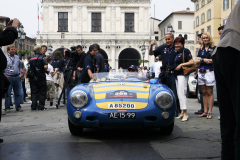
(191,12)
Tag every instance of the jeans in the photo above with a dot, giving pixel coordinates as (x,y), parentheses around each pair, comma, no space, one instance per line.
(21,96)
(226,66)
(16,85)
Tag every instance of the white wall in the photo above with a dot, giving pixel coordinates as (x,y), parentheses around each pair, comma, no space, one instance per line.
(113,25)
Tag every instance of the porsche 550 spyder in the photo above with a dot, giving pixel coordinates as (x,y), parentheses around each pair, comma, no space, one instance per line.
(120,100)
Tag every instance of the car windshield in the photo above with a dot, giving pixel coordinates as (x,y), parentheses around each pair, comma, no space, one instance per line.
(118,76)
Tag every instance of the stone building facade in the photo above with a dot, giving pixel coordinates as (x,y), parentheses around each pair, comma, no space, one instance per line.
(120,27)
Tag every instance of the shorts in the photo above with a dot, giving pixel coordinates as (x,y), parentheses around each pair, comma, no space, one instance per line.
(50,89)
(207,78)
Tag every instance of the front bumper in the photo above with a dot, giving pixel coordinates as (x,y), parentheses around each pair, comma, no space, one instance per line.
(99,119)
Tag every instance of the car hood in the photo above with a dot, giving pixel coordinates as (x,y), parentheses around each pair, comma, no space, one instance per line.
(121,95)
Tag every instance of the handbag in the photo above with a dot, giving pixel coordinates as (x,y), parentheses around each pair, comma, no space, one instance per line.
(188,69)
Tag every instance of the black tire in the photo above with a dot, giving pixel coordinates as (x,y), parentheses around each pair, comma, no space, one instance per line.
(75,130)
(188,94)
(167,130)
(198,96)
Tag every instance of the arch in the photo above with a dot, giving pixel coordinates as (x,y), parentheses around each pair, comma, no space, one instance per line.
(59,49)
(104,55)
(127,57)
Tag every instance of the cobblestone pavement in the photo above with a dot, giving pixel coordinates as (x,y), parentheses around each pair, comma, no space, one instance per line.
(47,132)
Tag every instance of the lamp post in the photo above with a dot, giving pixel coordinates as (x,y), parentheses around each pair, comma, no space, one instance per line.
(21,35)
(170,29)
(143,52)
(50,49)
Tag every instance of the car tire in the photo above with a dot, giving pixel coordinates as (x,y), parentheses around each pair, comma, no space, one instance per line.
(188,94)
(198,97)
(167,130)
(75,130)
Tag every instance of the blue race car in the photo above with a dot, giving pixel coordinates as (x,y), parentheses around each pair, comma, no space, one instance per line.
(120,100)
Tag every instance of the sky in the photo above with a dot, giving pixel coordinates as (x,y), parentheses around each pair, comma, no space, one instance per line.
(27,11)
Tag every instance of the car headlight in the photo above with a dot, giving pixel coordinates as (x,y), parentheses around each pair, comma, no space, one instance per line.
(78,99)
(164,100)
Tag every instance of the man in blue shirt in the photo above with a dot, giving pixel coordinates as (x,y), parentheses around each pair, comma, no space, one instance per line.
(88,68)
(14,73)
(168,53)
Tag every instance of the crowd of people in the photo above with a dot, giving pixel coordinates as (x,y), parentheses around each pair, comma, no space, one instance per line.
(48,75)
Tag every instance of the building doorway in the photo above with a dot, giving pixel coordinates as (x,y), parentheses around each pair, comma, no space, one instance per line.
(128,57)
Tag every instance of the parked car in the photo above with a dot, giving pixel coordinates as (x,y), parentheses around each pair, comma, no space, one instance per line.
(192,86)
(121,102)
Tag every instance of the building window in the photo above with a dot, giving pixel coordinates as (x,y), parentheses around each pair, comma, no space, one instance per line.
(96,22)
(197,33)
(203,3)
(202,30)
(209,15)
(62,22)
(225,4)
(185,36)
(197,7)
(203,18)
(129,22)
(209,29)
(197,21)
(179,24)
(224,21)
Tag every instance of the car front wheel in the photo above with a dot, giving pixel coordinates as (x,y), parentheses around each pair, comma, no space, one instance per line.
(75,130)
(167,130)
(188,94)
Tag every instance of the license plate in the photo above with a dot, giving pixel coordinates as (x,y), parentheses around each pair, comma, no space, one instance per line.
(121,106)
(122,115)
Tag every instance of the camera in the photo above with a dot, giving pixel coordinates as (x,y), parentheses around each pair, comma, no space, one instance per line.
(73,48)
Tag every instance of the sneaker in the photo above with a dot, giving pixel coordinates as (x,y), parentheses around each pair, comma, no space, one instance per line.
(19,110)
(7,111)
(3,112)
(29,102)
(52,107)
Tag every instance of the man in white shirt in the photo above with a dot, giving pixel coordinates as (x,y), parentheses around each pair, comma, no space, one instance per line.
(155,68)
(50,81)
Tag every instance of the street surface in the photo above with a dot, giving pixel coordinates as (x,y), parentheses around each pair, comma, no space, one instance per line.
(40,135)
